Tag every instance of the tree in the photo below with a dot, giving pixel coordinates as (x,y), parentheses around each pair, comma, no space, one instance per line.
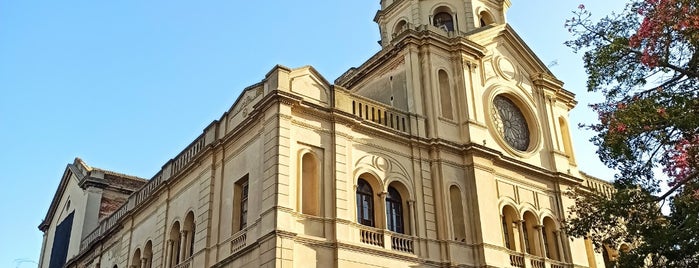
(645,61)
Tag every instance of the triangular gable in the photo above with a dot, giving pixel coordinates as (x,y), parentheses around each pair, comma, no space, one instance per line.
(89,176)
(77,168)
(506,35)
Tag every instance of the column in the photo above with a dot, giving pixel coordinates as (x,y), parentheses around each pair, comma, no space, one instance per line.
(561,256)
(183,245)
(144,261)
(522,243)
(542,242)
(168,253)
(411,215)
(380,215)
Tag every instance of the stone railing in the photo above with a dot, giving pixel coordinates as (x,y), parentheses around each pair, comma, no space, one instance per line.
(597,185)
(174,167)
(517,259)
(148,189)
(371,237)
(239,242)
(557,264)
(185,157)
(522,260)
(538,263)
(105,225)
(372,111)
(402,243)
(386,239)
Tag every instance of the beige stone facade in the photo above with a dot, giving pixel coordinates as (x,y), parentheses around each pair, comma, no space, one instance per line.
(448,148)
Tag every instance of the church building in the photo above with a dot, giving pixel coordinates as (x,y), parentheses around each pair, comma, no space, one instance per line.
(450,147)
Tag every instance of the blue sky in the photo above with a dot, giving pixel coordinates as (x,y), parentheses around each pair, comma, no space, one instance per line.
(126,85)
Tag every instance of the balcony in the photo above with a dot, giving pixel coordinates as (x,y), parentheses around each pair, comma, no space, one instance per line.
(372,112)
(386,239)
(239,242)
(517,259)
(521,260)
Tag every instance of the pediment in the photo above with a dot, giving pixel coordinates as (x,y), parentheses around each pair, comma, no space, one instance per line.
(510,56)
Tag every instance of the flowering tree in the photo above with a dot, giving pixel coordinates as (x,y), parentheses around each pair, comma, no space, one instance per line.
(645,62)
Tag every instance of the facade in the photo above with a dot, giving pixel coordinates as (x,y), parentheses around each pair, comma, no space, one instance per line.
(450,147)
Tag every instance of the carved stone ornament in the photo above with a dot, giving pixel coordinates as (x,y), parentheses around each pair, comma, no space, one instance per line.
(510,123)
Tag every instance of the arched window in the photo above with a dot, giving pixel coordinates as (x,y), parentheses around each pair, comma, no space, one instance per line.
(445,94)
(549,234)
(310,190)
(400,27)
(394,211)
(530,234)
(567,145)
(457,214)
(148,255)
(365,203)
(509,227)
(136,261)
(189,228)
(485,18)
(174,246)
(444,21)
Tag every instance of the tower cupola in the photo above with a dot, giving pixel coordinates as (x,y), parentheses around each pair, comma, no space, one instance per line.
(448,17)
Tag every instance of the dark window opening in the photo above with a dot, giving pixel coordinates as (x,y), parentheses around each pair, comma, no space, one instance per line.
(443,20)
(365,203)
(394,211)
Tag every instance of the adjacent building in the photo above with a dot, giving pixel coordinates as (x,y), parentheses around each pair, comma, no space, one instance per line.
(450,147)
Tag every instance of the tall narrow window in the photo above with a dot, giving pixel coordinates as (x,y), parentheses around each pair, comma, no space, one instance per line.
(445,95)
(310,190)
(394,211)
(174,253)
(567,145)
(240,204)
(525,233)
(365,203)
(509,217)
(444,21)
(189,227)
(550,239)
(148,255)
(136,261)
(531,235)
(244,205)
(506,233)
(457,215)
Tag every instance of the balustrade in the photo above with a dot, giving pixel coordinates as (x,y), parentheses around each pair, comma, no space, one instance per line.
(371,237)
(537,263)
(516,260)
(181,161)
(402,243)
(239,242)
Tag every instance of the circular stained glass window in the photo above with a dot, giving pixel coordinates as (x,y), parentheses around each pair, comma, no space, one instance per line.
(510,123)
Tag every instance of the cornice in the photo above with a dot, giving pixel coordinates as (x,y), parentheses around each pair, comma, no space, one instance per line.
(406,39)
(389,9)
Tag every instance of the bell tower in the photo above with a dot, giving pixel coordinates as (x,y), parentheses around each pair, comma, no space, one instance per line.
(449,17)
